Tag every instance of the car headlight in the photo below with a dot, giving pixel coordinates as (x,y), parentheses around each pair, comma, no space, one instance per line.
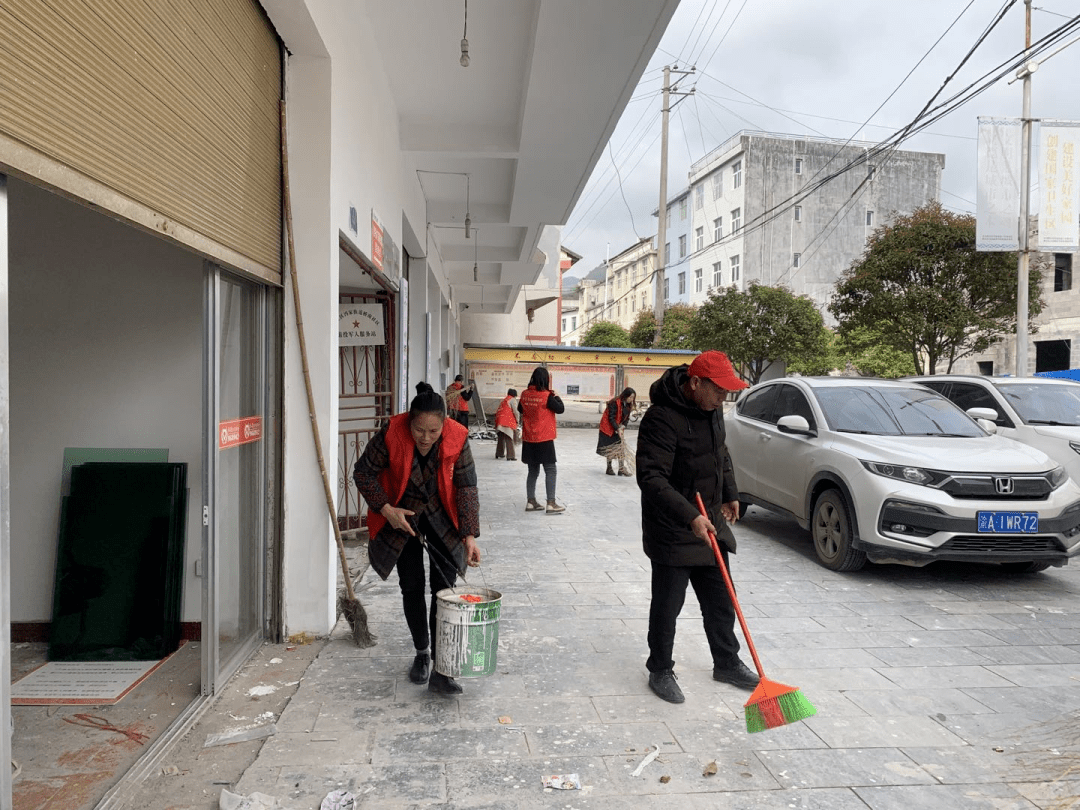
(913,475)
(1057,477)
(1075,446)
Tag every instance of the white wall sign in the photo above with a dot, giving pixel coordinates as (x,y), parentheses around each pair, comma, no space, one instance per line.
(997,217)
(361,325)
(1059,214)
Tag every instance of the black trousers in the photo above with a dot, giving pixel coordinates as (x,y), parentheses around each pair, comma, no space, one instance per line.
(410,568)
(668,596)
(462,417)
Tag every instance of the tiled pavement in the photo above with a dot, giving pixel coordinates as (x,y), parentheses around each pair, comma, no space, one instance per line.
(948,686)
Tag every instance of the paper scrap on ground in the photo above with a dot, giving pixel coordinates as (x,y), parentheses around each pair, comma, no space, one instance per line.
(563,781)
(242,734)
(338,800)
(649,758)
(253,801)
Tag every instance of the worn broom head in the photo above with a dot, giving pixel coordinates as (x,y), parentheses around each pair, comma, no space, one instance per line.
(775,704)
(356,616)
(620,453)
(451,396)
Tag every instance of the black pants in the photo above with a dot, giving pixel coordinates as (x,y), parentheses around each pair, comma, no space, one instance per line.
(410,568)
(506,443)
(668,595)
(462,417)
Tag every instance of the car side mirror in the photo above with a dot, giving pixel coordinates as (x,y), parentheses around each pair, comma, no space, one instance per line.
(985,417)
(793,423)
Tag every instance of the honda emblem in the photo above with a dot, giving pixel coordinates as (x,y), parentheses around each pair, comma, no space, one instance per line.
(1003,486)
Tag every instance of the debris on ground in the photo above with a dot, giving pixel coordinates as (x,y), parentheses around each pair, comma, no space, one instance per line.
(242,734)
(569,781)
(710,769)
(253,801)
(338,800)
(648,758)
(664,780)
(505,719)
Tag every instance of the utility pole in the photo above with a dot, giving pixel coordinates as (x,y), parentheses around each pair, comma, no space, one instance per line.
(1025,203)
(661,227)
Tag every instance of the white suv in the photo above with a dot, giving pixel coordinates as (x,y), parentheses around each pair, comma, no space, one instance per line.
(1041,411)
(890,471)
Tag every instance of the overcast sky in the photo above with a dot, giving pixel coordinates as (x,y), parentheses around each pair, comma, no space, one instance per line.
(817,68)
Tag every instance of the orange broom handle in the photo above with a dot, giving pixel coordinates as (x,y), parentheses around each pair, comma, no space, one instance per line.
(731,589)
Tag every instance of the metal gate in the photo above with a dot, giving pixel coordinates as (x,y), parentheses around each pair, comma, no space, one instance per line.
(365,403)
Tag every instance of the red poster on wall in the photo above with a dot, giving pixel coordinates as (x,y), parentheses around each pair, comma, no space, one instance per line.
(239,431)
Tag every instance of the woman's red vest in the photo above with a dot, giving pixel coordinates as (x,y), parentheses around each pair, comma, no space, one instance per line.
(537,421)
(460,403)
(400,447)
(504,416)
(605,423)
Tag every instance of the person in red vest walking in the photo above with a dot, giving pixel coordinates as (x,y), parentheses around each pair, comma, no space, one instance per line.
(612,424)
(505,425)
(419,481)
(538,406)
(457,400)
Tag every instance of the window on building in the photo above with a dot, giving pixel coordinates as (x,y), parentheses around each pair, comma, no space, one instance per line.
(573,323)
(717,228)
(734,269)
(682,208)
(798,213)
(798,165)
(1062,272)
(667,253)
(1053,355)
(643,300)
(667,288)
(618,309)
(986,368)
(796,259)
(564,324)
(871,171)
(736,220)
(682,246)
(633,304)
(697,280)
(669,216)
(699,238)
(717,275)
(699,197)
(717,184)
(682,283)
(869,219)
(736,174)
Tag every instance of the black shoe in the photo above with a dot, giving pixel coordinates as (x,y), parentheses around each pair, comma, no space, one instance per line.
(421,668)
(736,673)
(663,684)
(609,471)
(443,685)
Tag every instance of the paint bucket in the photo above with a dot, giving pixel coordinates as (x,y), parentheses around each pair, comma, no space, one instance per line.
(467,631)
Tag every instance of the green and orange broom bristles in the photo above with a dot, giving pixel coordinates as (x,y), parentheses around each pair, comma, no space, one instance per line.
(772,704)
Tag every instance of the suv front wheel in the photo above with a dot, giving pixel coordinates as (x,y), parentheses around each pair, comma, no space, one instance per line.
(831,530)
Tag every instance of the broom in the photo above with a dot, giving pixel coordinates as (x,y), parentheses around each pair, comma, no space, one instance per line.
(619,452)
(772,704)
(347,604)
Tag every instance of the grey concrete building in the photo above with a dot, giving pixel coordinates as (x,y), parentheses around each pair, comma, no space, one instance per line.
(760,218)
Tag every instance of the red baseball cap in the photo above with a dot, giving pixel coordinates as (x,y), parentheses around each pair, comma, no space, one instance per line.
(715,366)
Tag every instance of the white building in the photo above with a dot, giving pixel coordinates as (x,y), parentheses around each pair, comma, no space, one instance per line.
(758,217)
(145,264)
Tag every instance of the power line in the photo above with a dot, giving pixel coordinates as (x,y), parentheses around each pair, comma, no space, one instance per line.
(621,189)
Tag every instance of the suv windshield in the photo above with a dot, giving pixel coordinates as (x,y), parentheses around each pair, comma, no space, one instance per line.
(888,411)
(1044,403)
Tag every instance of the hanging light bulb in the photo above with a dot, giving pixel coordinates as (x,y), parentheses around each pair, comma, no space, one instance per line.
(475,272)
(464,61)
(468,224)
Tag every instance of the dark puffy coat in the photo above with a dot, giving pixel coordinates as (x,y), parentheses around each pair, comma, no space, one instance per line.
(681,450)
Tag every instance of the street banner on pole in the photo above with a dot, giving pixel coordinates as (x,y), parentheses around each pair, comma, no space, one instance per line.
(1059,214)
(997,214)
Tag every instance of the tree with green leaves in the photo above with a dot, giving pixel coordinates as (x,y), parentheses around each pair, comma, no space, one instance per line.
(925,290)
(870,354)
(643,332)
(676,331)
(761,325)
(605,334)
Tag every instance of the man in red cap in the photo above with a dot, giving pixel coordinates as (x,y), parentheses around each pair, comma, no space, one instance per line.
(681,451)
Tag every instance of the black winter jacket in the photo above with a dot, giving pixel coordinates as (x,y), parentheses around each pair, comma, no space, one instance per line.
(681,450)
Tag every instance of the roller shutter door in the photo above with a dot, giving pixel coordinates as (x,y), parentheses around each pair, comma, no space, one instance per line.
(172,104)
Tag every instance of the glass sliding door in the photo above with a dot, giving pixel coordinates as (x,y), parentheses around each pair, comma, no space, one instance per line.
(235,484)
(5,517)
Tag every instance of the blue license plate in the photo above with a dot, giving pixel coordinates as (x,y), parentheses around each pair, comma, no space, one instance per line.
(1008,522)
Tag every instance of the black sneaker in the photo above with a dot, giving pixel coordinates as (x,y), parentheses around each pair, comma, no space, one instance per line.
(443,685)
(663,684)
(736,673)
(421,668)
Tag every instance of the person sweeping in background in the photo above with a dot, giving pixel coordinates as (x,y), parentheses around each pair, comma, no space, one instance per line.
(538,406)
(418,479)
(611,444)
(506,424)
(457,400)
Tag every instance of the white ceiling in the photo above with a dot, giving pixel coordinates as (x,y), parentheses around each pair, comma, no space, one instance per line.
(526,121)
